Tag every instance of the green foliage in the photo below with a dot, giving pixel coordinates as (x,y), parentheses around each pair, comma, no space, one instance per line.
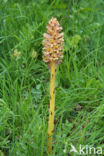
(24,77)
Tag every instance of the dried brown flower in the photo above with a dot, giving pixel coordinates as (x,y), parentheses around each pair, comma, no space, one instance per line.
(53,42)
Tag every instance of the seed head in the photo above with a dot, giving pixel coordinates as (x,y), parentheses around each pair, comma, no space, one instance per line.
(53,42)
(16,54)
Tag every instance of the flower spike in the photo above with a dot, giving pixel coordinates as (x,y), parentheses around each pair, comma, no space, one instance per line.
(53,42)
(52,54)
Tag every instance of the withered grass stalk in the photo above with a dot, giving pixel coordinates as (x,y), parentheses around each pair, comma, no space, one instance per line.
(52,54)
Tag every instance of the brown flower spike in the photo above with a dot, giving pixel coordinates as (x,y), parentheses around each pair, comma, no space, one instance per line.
(53,42)
(53,53)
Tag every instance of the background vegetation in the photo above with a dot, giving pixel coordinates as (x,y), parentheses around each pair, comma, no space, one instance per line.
(24,77)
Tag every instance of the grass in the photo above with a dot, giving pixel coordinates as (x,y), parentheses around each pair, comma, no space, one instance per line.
(24,81)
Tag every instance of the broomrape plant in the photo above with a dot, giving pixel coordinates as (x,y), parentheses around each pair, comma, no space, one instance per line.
(53,44)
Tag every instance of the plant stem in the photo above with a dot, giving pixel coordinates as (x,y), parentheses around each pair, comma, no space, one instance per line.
(52,105)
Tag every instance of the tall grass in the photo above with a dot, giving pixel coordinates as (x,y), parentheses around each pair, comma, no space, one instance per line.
(24,81)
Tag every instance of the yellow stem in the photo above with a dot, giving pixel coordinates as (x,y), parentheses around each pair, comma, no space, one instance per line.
(52,105)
